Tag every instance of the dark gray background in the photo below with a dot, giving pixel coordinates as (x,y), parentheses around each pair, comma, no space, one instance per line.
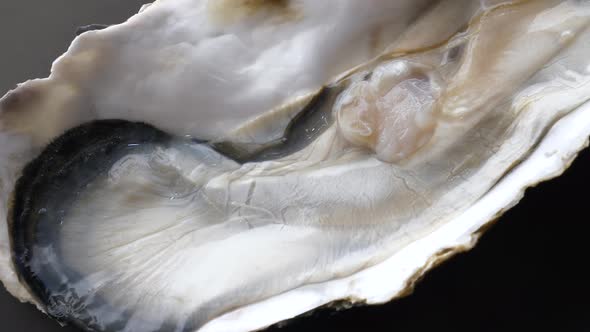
(529,272)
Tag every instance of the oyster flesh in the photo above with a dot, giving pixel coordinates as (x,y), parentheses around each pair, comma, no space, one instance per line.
(225,165)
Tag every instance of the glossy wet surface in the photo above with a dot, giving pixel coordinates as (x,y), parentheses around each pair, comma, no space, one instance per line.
(527,273)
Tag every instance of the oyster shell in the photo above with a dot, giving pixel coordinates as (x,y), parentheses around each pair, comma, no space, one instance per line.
(352,212)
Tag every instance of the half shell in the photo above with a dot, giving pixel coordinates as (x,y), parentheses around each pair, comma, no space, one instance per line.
(430,133)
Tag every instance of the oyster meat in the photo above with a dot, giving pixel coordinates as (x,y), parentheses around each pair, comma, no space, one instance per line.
(226,165)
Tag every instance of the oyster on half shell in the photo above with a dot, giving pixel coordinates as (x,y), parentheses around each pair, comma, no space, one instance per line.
(226,165)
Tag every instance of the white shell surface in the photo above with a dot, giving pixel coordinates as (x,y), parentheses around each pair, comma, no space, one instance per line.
(396,276)
(551,98)
(91,80)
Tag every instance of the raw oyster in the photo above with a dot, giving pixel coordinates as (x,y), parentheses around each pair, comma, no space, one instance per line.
(346,214)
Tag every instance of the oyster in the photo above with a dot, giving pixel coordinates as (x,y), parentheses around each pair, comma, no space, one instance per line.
(289,154)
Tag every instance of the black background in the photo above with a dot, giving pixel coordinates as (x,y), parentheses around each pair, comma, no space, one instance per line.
(529,272)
